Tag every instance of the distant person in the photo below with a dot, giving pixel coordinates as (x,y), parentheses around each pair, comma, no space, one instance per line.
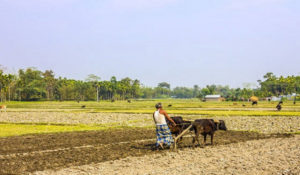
(163,133)
(279,107)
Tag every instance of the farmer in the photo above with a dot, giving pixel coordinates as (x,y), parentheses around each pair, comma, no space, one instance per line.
(163,134)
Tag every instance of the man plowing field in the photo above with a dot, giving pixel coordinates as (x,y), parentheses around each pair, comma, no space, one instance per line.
(163,133)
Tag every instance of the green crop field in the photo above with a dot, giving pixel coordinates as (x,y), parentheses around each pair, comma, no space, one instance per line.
(178,106)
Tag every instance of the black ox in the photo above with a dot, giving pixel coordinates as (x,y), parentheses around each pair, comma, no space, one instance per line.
(181,125)
(206,127)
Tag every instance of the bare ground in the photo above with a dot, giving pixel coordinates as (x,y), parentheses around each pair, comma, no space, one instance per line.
(267,156)
(31,153)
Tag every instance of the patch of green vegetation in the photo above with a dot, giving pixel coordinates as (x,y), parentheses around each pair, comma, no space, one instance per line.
(297,132)
(177,106)
(15,129)
(209,113)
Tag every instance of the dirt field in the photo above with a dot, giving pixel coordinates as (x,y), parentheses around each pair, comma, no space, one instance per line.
(266,156)
(52,151)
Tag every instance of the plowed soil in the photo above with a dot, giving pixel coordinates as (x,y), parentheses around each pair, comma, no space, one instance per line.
(30,153)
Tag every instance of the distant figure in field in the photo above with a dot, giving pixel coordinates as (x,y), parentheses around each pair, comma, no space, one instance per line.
(129,101)
(254,100)
(170,105)
(279,107)
(83,106)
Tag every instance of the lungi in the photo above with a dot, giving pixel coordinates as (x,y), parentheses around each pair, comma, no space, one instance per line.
(163,135)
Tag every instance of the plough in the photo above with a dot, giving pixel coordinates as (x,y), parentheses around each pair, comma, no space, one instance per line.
(180,135)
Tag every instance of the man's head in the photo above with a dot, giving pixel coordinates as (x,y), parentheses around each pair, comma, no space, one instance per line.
(158,106)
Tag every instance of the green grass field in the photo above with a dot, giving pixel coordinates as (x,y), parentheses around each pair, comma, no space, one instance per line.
(22,129)
(15,129)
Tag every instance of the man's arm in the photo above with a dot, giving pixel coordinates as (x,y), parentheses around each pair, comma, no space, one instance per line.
(168,117)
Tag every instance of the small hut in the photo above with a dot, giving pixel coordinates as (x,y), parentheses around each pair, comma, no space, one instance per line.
(213,98)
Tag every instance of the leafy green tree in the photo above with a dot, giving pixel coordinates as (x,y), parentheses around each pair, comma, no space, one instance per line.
(31,84)
(50,83)
(183,92)
(136,90)
(4,81)
(204,92)
(211,88)
(94,80)
(164,85)
(196,91)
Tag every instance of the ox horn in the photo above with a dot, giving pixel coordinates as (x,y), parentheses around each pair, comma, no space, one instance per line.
(216,121)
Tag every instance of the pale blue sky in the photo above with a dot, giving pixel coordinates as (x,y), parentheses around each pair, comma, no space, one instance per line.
(183,42)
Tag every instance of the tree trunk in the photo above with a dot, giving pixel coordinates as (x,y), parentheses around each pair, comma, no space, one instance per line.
(48,95)
(8,93)
(97,94)
(1,94)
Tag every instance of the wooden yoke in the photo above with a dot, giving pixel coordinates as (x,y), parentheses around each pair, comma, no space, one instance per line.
(181,134)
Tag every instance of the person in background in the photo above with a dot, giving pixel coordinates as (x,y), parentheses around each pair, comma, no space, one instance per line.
(163,133)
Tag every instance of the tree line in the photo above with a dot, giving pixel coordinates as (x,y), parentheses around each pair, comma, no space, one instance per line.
(32,85)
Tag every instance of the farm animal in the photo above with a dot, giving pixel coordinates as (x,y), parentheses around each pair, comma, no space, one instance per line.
(170,105)
(181,125)
(129,101)
(3,108)
(243,105)
(207,127)
(83,106)
(254,103)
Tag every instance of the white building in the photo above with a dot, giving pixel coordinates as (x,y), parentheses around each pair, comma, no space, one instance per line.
(213,98)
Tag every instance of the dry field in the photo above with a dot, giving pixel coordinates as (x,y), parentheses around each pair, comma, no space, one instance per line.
(267,156)
(263,124)
(32,153)
(125,143)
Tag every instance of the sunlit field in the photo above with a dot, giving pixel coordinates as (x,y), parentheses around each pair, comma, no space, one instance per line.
(50,135)
(46,117)
(178,106)
(21,129)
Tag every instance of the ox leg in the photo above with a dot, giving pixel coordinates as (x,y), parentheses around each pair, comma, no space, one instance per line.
(194,142)
(196,138)
(212,139)
(203,142)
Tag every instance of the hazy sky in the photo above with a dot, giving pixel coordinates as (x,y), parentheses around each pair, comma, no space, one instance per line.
(183,42)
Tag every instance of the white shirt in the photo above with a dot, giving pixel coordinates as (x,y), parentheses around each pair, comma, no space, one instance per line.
(159,118)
